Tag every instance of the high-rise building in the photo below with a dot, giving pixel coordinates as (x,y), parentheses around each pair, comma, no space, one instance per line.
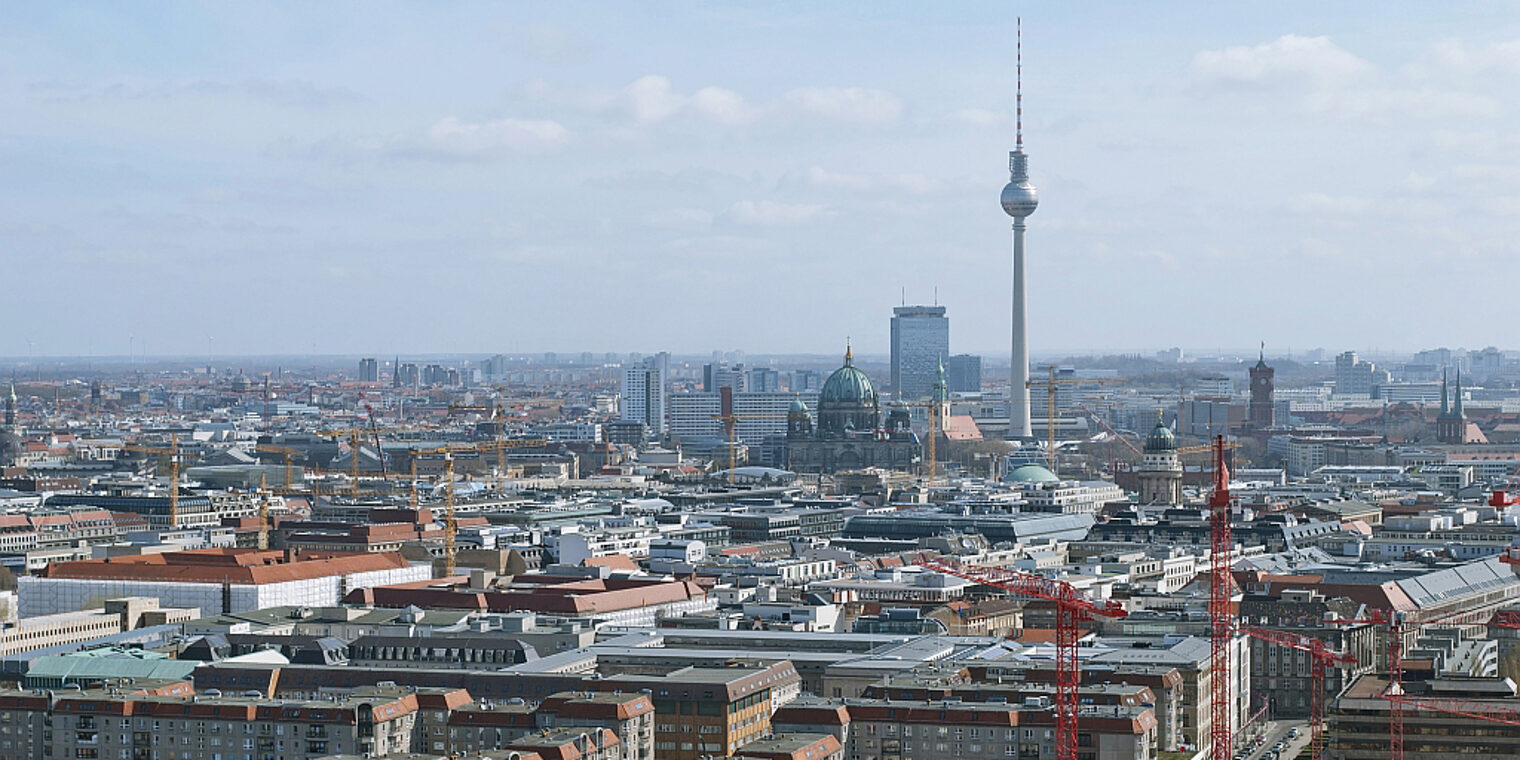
(720,375)
(644,394)
(762,380)
(1354,377)
(964,373)
(803,381)
(920,340)
(757,415)
(1019,200)
(369,371)
(1263,414)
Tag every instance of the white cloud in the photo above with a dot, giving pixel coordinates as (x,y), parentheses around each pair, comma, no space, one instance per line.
(680,219)
(651,98)
(855,104)
(773,213)
(1455,57)
(818,176)
(1288,60)
(503,135)
(977,117)
(1320,204)
(722,106)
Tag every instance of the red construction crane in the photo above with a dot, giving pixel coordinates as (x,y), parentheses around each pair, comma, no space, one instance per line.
(1221,614)
(1072,607)
(1320,656)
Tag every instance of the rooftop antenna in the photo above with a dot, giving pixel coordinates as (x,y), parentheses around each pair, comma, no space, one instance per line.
(905,295)
(1018,129)
(936,295)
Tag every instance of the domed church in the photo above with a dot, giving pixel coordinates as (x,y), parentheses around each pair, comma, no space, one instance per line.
(850,434)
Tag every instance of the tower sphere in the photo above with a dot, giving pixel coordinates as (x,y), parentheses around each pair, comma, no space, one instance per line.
(1019,196)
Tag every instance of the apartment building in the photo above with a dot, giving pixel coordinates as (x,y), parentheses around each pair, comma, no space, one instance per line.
(111,724)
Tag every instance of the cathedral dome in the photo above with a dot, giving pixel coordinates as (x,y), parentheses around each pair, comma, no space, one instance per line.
(1161,438)
(798,406)
(848,385)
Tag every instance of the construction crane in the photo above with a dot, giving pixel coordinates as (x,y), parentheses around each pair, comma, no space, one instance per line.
(1395,620)
(263,513)
(450,525)
(1050,407)
(289,454)
(1072,608)
(353,435)
(730,422)
(374,430)
(1320,657)
(173,453)
(1221,613)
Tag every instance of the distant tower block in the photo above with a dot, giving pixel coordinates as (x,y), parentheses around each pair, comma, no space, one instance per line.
(1019,201)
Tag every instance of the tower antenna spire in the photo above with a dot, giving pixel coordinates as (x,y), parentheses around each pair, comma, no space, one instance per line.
(1018,130)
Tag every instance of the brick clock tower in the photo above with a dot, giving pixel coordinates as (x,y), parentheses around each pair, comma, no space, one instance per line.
(1263,415)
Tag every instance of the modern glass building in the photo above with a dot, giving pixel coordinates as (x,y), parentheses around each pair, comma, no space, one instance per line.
(920,341)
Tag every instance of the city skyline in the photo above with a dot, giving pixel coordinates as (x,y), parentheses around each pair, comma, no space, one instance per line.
(515,172)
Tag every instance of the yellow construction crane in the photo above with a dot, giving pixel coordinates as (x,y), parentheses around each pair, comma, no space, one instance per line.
(289,454)
(354,435)
(173,454)
(263,513)
(1050,408)
(450,525)
(731,426)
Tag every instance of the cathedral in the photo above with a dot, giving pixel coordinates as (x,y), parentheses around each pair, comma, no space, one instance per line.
(850,434)
(1160,474)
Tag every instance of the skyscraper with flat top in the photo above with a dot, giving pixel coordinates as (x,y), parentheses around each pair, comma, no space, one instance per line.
(920,340)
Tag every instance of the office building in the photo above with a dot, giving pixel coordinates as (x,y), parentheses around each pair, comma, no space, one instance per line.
(758,415)
(964,372)
(803,381)
(215,581)
(369,371)
(718,376)
(644,395)
(920,341)
(763,380)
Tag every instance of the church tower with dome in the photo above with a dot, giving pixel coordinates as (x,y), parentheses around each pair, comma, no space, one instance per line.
(850,434)
(1160,474)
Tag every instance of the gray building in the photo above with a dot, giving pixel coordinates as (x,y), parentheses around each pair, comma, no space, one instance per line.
(964,373)
(369,371)
(920,340)
(644,396)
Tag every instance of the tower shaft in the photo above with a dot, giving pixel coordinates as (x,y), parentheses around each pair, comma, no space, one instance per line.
(1018,387)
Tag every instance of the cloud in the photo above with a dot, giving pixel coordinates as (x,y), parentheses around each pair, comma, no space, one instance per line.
(774,214)
(1287,61)
(680,219)
(288,93)
(651,98)
(853,104)
(1457,58)
(977,117)
(722,106)
(1320,204)
(495,137)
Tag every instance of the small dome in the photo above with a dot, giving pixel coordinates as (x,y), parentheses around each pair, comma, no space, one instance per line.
(798,406)
(1031,473)
(1161,438)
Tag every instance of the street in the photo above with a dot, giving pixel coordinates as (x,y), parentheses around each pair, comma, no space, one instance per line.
(1277,731)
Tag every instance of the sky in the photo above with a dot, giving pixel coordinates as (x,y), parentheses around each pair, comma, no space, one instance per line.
(376,177)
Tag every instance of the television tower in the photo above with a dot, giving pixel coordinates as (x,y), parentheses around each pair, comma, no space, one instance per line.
(1019,201)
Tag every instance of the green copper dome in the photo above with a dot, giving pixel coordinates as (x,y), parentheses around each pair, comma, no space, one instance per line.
(1030,473)
(848,385)
(798,406)
(1161,438)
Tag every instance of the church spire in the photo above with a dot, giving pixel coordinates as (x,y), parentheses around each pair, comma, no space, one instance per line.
(1456,401)
(849,354)
(1445,410)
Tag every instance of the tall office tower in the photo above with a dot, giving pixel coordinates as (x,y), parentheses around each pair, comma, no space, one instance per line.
(762,380)
(369,371)
(1263,414)
(803,381)
(644,395)
(920,340)
(716,376)
(1019,201)
(964,372)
